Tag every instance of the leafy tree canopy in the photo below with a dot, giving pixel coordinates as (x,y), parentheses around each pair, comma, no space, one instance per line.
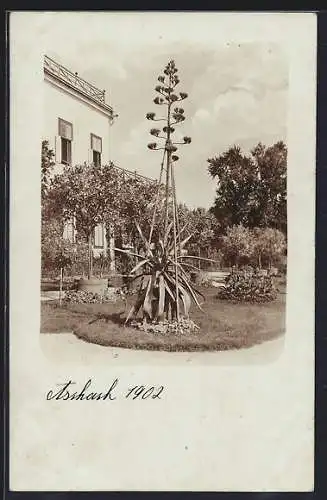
(251,188)
(88,193)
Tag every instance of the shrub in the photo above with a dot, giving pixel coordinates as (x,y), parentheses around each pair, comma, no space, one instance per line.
(85,297)
(248,286)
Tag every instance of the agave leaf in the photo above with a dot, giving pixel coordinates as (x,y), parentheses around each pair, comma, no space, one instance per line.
(138,276)
(170,247)
(183,228)
(189,265)
(135,308)
(129,315)
(169,291)
(145,241)
(185,277)
(162,246)
(166,236)
(161,304)
(183,243)
(192,292)
(148,298)
(140,264)
(128,252)
(194,297)
(145,280)
(185,299)
(170,278)
(196,257)
(182,293)
(179,266)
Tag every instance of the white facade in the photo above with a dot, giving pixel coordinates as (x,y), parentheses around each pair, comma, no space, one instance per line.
(85,120)
(77,124)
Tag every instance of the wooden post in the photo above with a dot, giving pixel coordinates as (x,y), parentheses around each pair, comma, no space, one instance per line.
(90,267)
(112,265)
(60,286)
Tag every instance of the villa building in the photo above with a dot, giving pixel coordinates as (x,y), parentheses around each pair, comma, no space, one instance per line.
(77,125)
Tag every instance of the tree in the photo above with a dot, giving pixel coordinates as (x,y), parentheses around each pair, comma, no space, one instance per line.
(237,243)
(47,164)
(271,164)
(89,195)
(268,244)
(251,189)
(137,199)
(203,226)
(56,252)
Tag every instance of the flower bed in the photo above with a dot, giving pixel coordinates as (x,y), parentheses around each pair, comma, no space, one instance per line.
(85,297)
(249,286)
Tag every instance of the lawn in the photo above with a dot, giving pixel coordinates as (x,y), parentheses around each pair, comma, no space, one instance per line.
(223,325)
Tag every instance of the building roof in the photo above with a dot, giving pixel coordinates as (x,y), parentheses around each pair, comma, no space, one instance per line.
(74,81)
(86,89)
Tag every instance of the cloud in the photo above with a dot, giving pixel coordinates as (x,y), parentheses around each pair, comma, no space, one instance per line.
(201,115)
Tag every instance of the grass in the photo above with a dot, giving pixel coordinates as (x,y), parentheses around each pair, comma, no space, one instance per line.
(223,326)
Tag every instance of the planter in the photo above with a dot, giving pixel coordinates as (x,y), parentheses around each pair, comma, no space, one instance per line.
(94,285)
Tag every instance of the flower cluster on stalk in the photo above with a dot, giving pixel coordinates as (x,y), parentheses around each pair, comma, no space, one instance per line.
(168,96)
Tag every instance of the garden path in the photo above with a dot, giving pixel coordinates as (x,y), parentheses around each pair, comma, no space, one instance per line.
(67,348)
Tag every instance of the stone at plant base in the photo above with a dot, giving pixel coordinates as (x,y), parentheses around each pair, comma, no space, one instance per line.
(165,327)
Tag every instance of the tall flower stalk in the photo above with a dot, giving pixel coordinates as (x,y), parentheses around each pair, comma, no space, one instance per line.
(168,97)
(165,287)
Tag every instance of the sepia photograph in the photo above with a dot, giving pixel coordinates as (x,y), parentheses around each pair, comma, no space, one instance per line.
(162,240)
(164,195)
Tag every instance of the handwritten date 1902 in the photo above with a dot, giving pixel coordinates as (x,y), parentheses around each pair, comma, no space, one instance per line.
(142,392)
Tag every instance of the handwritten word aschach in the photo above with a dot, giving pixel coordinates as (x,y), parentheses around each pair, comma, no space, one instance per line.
(67,392)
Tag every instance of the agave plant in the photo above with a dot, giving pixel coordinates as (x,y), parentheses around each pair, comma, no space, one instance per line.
(163,282)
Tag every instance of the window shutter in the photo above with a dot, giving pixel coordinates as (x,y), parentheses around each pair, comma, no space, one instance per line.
(65,129)
(57,149)
(96,143)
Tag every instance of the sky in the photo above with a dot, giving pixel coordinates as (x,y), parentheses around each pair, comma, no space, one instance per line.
(237,86)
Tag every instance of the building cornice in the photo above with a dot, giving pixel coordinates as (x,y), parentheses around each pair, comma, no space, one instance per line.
(75,85)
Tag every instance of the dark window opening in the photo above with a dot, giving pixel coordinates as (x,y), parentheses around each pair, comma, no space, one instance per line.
(96,147)
(97,158)
(66,151)
(66,133)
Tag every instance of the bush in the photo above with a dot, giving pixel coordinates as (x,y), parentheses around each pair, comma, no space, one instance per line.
(248,286)
(85,297)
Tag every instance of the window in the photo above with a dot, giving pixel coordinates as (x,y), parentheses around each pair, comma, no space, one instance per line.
(66,135)
(96,147)
(99,236)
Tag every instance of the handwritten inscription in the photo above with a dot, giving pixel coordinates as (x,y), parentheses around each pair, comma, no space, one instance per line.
(68,391)
(144,393)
